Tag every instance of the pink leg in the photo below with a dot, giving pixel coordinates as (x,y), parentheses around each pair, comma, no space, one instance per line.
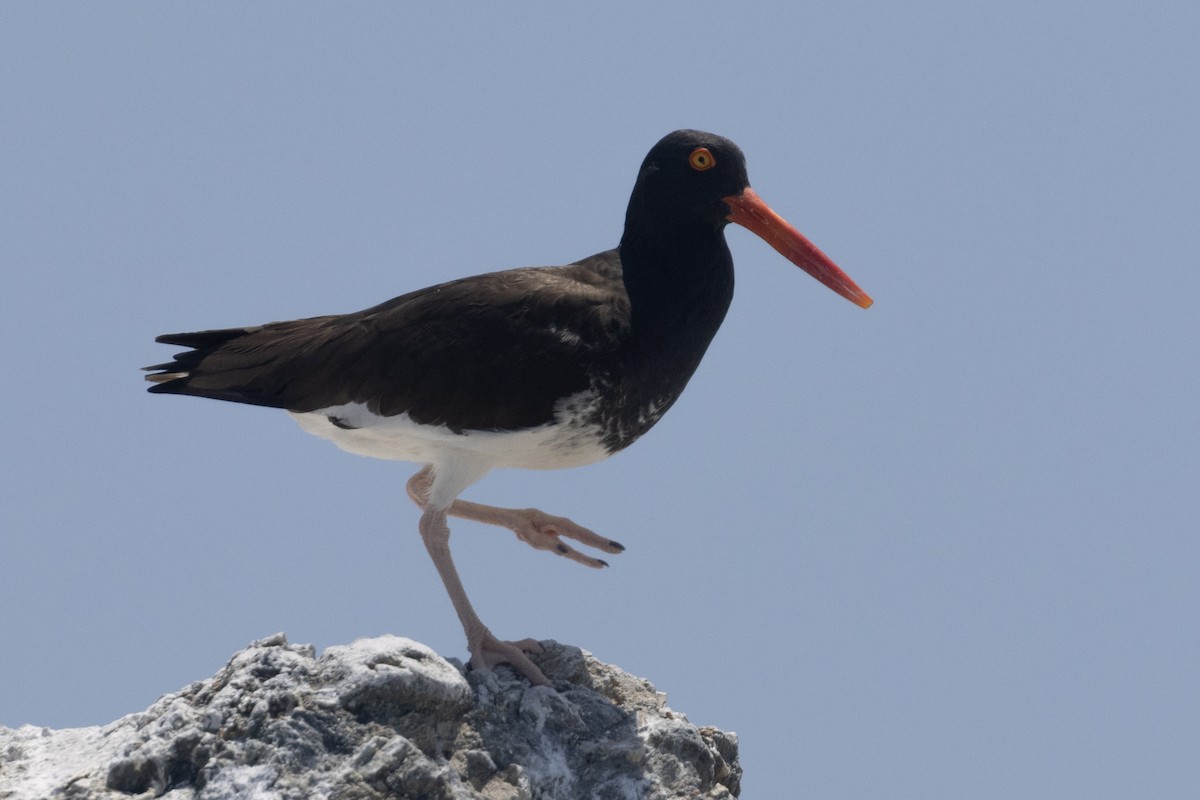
(486,650)
(538,529)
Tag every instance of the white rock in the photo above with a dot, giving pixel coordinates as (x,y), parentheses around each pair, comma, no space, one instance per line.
(382,718)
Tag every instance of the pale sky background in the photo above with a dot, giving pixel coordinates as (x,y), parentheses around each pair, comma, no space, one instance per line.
(943,548)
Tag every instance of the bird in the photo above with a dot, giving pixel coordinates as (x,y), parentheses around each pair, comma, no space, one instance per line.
(536,367)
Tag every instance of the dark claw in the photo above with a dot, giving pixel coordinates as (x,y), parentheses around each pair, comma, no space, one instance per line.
(617,545)
(602,562)
(561,548)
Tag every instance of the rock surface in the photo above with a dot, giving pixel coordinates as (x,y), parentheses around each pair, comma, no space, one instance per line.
(382,718)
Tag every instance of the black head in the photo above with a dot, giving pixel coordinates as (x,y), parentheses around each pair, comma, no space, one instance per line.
(685,177)
(690,186)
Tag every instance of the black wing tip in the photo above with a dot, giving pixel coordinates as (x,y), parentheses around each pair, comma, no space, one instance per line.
(179,383)
(201,340)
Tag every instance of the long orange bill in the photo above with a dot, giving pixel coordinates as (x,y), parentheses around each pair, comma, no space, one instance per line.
(751,212)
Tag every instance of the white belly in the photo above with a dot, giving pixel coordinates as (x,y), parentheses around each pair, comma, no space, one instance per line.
(567,442)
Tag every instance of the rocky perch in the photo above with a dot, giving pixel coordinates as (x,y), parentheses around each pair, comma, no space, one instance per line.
(383,718)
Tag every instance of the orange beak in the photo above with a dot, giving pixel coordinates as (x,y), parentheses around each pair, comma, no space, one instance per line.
(750,211)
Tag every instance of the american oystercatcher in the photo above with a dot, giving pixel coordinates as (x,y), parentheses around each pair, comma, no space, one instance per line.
(542,368)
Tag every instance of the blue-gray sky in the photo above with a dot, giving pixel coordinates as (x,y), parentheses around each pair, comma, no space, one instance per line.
(945,547)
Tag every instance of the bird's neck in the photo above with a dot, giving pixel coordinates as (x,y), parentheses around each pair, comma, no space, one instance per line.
(680,284)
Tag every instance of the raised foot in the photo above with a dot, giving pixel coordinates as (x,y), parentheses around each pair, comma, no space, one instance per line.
(490,651)
(545,532)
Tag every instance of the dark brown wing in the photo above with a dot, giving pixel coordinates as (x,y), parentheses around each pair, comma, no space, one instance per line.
(491,352)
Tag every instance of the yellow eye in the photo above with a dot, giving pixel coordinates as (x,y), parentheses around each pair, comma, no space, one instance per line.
(701,159)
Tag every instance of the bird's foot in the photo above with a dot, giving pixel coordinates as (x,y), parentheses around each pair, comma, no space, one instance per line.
(488,651)
(536,528)
(544,531)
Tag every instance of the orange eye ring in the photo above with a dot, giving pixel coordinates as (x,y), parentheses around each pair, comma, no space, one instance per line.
(702,159)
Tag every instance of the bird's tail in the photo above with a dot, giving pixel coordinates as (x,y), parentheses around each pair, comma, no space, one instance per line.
(176,376)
